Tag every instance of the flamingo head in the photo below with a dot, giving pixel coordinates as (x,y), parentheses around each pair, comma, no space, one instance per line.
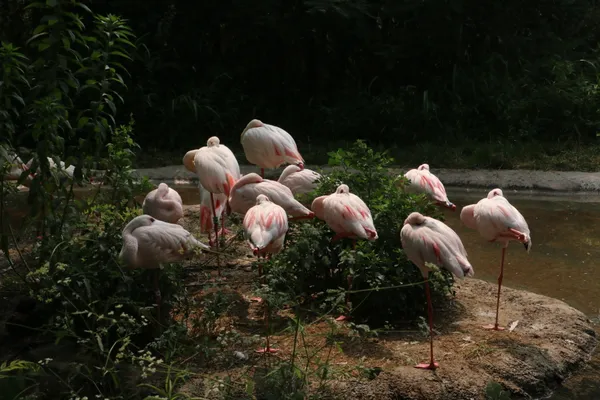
(213,141)
(495,192)
(423,167)
(255,123)
(261,198)
(300,165)
(343,188)
(415,218)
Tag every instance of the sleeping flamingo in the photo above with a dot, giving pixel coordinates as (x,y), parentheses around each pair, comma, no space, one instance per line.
(269,146)
(497,221)
(299,180)
(163,203)
(427,240)
(265,226)
(423,181)
(244,193)
(217,169)
(349,217)
(14,167)
(149,242)
(206,220)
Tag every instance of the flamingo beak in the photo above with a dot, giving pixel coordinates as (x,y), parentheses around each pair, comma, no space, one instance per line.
(300,165)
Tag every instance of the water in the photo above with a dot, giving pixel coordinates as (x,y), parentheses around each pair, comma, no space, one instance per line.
(563,262)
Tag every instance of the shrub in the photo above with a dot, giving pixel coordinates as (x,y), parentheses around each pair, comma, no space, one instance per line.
(386,286)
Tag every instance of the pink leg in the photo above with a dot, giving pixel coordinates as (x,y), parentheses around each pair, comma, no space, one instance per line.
(267,349)
(495,326)
(216,226)
(211,242)
(432,364)
(347,317)
(224,231)
(157,293)
(258,299)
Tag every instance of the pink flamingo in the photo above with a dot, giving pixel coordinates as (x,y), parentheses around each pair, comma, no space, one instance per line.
(349,217)
(299,180)
(269,146)
(244,193)
(423,181)
(163,203)
(497,220)
(427,240)
(265,226)
(206,220)
(218,170)
(149,242)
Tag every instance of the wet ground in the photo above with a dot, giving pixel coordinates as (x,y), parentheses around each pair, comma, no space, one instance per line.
(563,262)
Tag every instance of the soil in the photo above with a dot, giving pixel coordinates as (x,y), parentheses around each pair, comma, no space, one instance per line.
(549,341)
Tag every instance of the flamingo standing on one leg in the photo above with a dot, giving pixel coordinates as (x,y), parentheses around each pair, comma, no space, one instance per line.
(163,203)
(299,180)
(265,225)
(497,221)
(427,240)
(244,193)
(349,217)
(206,220)
(149,242)
(218,170)
(423,181)
(269,146)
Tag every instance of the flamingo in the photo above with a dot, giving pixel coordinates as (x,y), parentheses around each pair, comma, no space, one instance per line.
(299,180)
(218,170)
(61,167)
(349,217)
(163,203)
(269,146)
(265,226)
(427,240)
(149,242)
(244,193)
(423,181)
(497,220)
(15,167)
(206,222)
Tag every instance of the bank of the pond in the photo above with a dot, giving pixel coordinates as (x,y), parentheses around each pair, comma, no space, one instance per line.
(550,341)
(553,181)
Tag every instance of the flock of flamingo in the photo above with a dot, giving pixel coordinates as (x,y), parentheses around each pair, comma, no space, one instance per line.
(155,238)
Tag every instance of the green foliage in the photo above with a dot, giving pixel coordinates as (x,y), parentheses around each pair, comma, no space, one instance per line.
(386,286)
(494,391)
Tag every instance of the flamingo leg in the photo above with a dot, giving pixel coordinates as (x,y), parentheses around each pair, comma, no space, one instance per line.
(216,226)
(431,364)
(224,231)
(267,349)
(258,299)
(496,327)
(157,293)
(348,304)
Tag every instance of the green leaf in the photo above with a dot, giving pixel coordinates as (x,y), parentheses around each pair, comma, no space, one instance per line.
(121,54)
(51,3)
(82,121)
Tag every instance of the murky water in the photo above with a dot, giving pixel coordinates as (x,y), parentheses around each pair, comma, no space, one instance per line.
(564,261)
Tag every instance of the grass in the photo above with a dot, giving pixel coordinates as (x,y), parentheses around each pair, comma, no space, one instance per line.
(470,155)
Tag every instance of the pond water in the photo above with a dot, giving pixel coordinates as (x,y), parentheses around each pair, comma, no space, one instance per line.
(563,262)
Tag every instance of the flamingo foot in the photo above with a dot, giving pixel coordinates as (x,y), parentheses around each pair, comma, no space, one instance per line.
(494,327)
(267,350)
(225,231)
(256,299)
(343,318)
(428,365)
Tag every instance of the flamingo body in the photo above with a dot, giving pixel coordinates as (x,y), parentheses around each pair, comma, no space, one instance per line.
(269,146)
(265,225)
(215,164)
(163,203)
(299,180)
(246,190)
(346,214)
(423,181)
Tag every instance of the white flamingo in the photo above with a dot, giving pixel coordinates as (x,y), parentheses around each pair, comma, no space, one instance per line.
(265,226)
(149,243)
(423,181)
(269,146)
(299,180)
(246,190)
(163,203)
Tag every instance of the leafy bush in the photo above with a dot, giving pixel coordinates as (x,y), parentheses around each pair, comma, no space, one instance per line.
(386,286)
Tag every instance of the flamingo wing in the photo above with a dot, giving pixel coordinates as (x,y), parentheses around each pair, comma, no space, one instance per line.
(213,170)
(164,242)
(304,181)
(269,146)
(264,224)
(343,216)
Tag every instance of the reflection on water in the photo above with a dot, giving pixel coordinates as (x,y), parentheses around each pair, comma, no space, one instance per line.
(563,262)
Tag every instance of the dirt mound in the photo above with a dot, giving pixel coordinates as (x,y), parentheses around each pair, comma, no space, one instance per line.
(549,342)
